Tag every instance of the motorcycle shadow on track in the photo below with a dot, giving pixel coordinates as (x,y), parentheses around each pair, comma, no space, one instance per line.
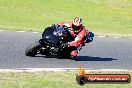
(90,58)
(82,58)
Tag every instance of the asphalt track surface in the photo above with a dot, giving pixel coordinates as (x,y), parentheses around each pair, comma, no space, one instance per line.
(102,53)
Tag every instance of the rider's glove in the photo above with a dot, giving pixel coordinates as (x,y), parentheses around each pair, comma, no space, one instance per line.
(65,45)
(66,27)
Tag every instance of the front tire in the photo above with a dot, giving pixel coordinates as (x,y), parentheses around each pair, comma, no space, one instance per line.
(32,49)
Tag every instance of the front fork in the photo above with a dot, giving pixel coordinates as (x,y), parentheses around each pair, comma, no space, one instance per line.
(41,41)
(43,49)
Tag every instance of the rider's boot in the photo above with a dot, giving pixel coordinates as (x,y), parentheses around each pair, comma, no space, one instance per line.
(74,53)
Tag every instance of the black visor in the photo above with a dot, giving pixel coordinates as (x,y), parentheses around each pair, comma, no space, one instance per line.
(76,27)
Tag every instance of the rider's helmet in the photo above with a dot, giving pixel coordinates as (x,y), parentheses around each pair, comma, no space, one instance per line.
(77,24)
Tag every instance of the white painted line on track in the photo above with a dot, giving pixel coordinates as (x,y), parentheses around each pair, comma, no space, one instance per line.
(55,69)
(20,31)
(116,37)
(1,30)
(101,36)
(38,32)
(35,32)
(27,32)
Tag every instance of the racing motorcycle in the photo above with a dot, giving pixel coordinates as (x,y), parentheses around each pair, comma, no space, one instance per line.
(51,43)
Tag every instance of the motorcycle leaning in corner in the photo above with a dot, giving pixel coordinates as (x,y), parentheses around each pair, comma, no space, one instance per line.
(52,40)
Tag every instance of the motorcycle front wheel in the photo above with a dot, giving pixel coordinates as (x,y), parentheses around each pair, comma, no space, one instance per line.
(33,49)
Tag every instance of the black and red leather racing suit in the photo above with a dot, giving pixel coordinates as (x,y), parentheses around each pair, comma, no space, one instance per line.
(79,40)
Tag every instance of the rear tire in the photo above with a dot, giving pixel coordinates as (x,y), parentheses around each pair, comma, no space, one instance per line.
(32,49)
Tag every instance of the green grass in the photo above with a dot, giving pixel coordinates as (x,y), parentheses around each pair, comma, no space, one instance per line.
(51,80)
(103,17)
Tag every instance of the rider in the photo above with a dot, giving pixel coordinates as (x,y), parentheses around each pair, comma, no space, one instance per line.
(79,32)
